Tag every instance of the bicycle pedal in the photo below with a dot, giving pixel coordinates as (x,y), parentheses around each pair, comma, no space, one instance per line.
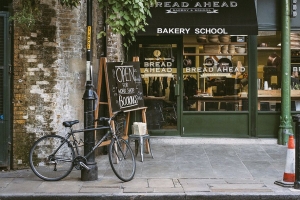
(84,166)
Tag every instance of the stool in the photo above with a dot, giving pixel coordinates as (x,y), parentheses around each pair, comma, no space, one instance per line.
(140,139)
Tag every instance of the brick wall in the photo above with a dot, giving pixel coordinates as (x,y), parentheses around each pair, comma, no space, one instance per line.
(49,75)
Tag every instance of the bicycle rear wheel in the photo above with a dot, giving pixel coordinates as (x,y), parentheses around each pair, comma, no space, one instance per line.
(51,157)
(121,159)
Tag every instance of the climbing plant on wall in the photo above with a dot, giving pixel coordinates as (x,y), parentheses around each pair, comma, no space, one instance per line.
(27,14)
(125,17)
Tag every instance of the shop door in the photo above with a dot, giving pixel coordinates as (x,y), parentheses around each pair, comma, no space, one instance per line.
(159,59)
(4,90)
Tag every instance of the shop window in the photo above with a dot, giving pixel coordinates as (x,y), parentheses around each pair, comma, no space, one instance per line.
(269,71)
(215,73)
(159,76)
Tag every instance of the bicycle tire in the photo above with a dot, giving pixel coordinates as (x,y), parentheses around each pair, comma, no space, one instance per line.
(124,169)
(46,166)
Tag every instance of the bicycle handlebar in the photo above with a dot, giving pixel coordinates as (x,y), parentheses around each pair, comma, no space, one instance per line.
(101,119)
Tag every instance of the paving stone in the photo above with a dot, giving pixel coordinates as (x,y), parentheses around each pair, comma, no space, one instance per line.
(168,190)
(5,181)
(261,169)
(161,183)
(198,188)
(100,190)
(239,180)
(138,190)
(107,183)
(22,186)
(136,183)
(59,187)
(176,183)
(196,182)
(239,188)
(160,170)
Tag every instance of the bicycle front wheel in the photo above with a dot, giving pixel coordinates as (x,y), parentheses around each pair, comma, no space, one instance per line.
(121,159)
(51,157)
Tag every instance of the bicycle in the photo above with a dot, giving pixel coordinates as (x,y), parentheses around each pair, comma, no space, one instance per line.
(52,157)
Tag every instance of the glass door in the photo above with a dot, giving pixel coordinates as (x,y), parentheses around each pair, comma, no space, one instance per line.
(158,64)
(159,73)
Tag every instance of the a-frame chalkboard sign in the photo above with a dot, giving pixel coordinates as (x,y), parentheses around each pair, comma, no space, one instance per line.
(123,85)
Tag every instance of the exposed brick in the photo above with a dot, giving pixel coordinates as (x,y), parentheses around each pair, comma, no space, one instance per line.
(46,91)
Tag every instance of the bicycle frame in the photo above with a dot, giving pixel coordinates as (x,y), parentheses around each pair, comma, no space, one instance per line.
(71,133)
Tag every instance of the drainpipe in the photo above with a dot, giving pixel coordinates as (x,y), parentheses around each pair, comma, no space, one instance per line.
(285,128)
(90,174)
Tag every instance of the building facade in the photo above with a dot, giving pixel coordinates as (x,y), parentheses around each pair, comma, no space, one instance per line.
(217,66)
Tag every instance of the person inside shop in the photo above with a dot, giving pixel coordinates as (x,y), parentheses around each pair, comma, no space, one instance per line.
(275,60)
(294,79)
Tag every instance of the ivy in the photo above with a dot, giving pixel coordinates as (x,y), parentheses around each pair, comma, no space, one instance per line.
(28,14)
(125,17)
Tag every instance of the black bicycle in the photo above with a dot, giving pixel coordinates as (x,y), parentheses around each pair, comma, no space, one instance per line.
(52,157)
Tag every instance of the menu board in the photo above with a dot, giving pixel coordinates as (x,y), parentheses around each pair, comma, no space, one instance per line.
(125,85)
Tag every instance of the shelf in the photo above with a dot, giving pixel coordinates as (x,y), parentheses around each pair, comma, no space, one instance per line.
(274,48)
(219,43)
(268,48)
(214,54)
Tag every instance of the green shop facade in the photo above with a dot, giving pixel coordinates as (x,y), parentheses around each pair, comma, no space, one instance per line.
(220,68)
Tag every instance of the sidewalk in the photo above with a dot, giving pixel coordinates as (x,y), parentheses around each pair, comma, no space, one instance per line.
(182,168)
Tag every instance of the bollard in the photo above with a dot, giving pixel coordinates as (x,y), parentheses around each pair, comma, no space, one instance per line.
(296,118)
(89,136)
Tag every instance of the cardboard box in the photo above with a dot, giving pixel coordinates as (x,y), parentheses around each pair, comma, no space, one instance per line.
(139,128)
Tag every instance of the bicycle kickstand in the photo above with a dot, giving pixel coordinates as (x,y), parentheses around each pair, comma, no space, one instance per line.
(84,166)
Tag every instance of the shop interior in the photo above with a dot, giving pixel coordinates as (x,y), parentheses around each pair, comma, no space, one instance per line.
(215,75)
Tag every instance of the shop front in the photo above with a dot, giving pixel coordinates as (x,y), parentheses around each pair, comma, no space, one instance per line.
(213,68)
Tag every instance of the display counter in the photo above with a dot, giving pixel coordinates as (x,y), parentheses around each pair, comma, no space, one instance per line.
(270,100)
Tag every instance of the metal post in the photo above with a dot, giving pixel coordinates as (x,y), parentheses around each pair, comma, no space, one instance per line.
(89,98)
(285,128)
(296,118)
(89,136)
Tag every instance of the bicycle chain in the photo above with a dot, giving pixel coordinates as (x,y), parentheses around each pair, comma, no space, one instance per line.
(77,160)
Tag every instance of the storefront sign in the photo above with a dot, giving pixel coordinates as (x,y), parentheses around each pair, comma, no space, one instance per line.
(158,64)
(191,17)
(226,69)
(186,31)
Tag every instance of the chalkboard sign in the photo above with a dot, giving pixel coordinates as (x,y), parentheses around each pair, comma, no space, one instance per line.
(125,85)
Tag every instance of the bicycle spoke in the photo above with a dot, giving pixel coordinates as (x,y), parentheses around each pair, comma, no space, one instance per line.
(125,167)
(51,167)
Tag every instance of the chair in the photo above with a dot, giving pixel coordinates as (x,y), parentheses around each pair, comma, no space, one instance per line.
(139,139)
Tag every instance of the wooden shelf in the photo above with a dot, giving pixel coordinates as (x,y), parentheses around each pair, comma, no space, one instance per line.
(195,45)
(268,48)
(215,54)
(274,48)
(219,43)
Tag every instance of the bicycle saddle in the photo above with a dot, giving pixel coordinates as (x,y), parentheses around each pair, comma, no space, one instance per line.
(70,123)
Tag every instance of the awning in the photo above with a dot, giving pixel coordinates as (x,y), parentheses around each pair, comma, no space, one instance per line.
(193,17)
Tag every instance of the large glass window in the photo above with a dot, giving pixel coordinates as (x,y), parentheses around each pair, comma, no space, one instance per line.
(269,71)
(159,73)
(215,73)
